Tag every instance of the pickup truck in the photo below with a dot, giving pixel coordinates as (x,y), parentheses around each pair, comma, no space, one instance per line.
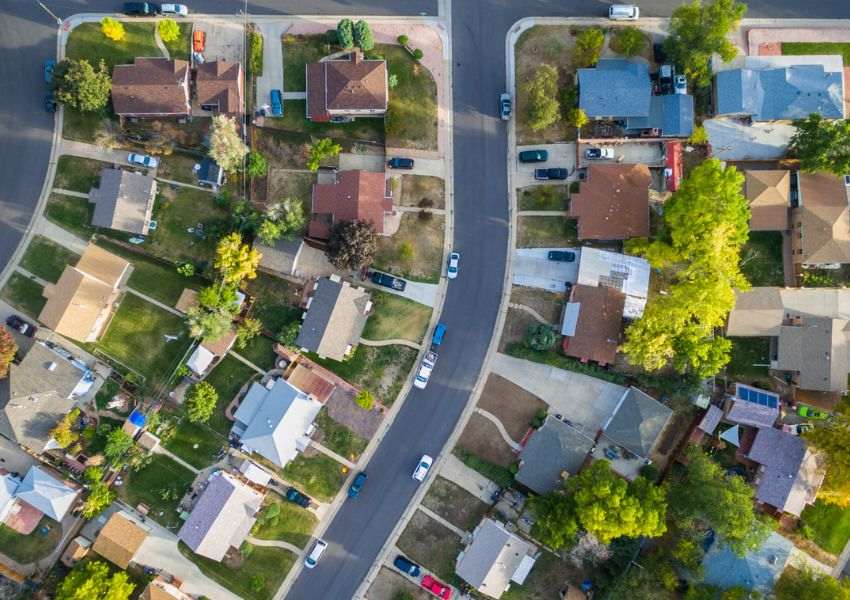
(388,281)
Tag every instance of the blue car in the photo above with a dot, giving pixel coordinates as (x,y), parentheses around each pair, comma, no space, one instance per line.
(276,103)
(406,565)
(439,332)
(357,485)
(49,66)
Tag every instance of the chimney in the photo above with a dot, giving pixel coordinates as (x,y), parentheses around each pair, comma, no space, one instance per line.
(357,57)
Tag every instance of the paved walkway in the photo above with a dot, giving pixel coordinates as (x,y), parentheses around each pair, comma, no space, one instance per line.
(275,544)
(393,342)
(160,450)
(328,452)
(531,311)
(423,293)
(61,236)
(443,521)
(186,185)
(472,481)
(32,276)
(542,213)
(70,193)
(159,43)
(495,421)
(242,359)
(416,209)
(272,77)
(92,151)
(294,95)
(156,302)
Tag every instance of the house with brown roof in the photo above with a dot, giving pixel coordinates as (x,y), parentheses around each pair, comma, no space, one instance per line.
(591,323)
(768,194)
(151,87)
(120,539)
(612,203)
(160,589)
(335,316)
(219,87)
(123,201)
(347,88)
(80,303)
(353,196)
(821,222)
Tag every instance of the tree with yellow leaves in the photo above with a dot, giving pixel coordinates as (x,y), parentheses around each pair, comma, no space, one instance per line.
(113,29)
(235,261)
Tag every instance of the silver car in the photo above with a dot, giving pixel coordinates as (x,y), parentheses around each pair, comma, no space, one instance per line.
(143,160)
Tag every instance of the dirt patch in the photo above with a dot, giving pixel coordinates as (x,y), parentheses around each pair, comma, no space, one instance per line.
(416,188)
(343,410)
(547,304)
(281,149)
(482,438)
(389,585)
(516,325)
(425,238)
(546,232)
(282,184)
(513,406)
(430,544)
(455,504)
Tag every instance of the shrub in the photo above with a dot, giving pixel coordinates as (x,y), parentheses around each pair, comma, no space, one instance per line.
(628,41)
(255,60)
(187,269)
(699,135)
(256,164)
(418,54)
(402,39)
(540,337)
(113,29)
(406,251)
(168,30)
(392,81)
(577,118)
(345,33)
(288,334)
(201,401)
(363,36)
(588,47)
(364,399)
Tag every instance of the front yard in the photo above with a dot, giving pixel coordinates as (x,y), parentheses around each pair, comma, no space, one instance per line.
(817,48)
(338,438)
(298,50)
(455,504)
(316,474)
(160,485)
(422,190)
(411,120)
(481,438)
(827,525)
(546,232)
(432,545)
(515,407)
(416,250)
(24,294)
(46,259)
(176,213)
(394,317)
(293,524)
(761,259)
(86,41)
(71,213)
(26,549)
(543,197)
(78,174)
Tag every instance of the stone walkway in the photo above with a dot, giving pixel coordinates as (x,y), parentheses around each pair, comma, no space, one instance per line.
(160,450)
(242,359)
(275,544)
(328,452)
(470,480)
(531,311)
(393,342)
(32,276)
(495,421)
(443,521)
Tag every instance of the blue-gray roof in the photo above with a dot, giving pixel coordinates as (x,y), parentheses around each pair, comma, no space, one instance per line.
(554,448)
(775,94)
(673,114)
(616,88)
(757,570)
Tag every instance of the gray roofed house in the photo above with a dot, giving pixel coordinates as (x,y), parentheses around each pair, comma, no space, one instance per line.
(790,474)
(615,88)
(554,448)
(222,517)
(123,201)
(711,419)
(43,491)
(757,570)
(335,318)
(673,114)
(752,414)
(282,257)
(494,558)
(818,348)
(38,392)
(637,422)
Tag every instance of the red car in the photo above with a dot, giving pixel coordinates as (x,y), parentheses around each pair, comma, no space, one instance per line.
(437,588)
(199,40)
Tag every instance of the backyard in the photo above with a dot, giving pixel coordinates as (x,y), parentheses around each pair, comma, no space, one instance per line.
(176,214)
(196,443)
(259,351)
(827,525)
(78,174)
(318,475)
(749,358)
(159,485)
(178,166)
(394,317)
(71,213)
(545,232)
(761,259)
(415,251)
(25,549)
(24,294)
(275,302)
(411,120)
(46,259)
(293,524)
(227,377)
(432,545)
(338,438)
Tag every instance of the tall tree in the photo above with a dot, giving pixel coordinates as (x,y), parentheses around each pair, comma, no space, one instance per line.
(201,399)
(100,496)
(345,33)
(588,47)
(113,29)
(210,325)
(235,261)
(118,442)
(64,433)
(323,149)
(363,36)
(351,245)
(542,98)
(796,584)
(8,349)
(91,580)
(79,85)
(226,146)
(699,30)
(822,145)
(168,30)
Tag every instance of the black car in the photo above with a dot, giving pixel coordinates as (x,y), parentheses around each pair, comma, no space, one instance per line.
(388,281)
(400,163)
(533,156)
(297,497)
(141,9)
(50,103)
(405,565)
(18,324)
(561,255)
(553,173)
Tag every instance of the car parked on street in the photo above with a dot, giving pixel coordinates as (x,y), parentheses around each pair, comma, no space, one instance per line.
(436,587)
(533,156)
(16,323)
(49,103)
(315,554)
(199,41)
(400,163)
(505,107)
(553,173)
(425,369)
(143,160)
(623,12)
(561,255)
(49,67)
(454,263)
(388,281)
(599,153)
(297,497)
(357,485)
(422,468)
(140,9)
(181,10)
(407,566)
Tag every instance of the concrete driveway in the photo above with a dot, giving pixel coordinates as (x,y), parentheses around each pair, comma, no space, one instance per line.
(224,40)
(423,293)
(272,77)
(434,167)
(361,162)
(560,155)
(629,153)
(533,269)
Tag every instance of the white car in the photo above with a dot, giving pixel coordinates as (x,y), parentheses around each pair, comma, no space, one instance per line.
(315,554)
(454,262)
(143,160)
(623,12)
(424,373)
(422,468)
(174,9)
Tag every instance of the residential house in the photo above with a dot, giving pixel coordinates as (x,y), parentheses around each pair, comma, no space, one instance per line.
(820,223)
(751,414)
(671,114)
(209,352)
(352,196)
(636,425)
(123,201)
(255,473)
(612,203)
(151,87)
(768,193)
(39,494)
(120,539)
(76,551)
(335,316)
(275,421)
(222,517)
(160,589)
(591,323)
(346,88)
(40,390)
(553,452)
(789,475)
(494,558)
(627,274)
(210,174)
(312,379)
(219,87)
(757,570)
(79,304)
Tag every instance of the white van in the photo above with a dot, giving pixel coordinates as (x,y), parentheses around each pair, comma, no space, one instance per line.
(623,12)
(315,554)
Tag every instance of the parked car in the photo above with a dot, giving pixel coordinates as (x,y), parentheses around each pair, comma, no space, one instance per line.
(422,468)
(623,12)
(388,281)
(553,173)
(505,106)
(533,156)
(49,67)
(297,497)
(680,84)
(357,485)
(599,153)
(407,566)
(141,9)
(439,333)
(16,323)
(199,41)
(181,10)
(425,370)
(143,160)
(436,587)
(318,548)
(797,428)
(561,255)
(276,103)
(454,263)
(49,103)
(811,413)
(400,163)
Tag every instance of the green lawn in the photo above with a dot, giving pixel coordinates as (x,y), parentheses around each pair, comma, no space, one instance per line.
(259,351)
(298,50)
(424,239)
(411,120)
(86,126)
(295,124)
(86,41)
(47,259)
(294,524)
(761,259)
(190,207)
(148,486)
(227,377)
(395,317)
(78,174)
(546,232)
(339,438)
(746,353)
(73,214)
(136,338)
(319,475)
(275,302)
(196,443)
(829,525)
(258,577)
(178,166)
(818,48)
(179,48)
(496,473)
(543,197)
(24,294)
(35,546)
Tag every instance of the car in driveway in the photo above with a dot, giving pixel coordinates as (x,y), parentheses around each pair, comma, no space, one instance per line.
(454,263)
(425,370)
(533,156)
(49,67)
(16,323)
(797,428)
(49,103)
(436,587)
(388,281)
(505,107)
(181,10)
(199,41)
(140,9)
(423,467)
(143,160)
(599,153)
(553,173)
(276,99)
(407,566)
(357,485)
(297,497)
(400,163)
(561,255)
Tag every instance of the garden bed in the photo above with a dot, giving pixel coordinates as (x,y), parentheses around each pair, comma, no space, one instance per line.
(424,237)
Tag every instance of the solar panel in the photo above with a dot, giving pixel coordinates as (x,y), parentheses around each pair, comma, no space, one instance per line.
(756,396)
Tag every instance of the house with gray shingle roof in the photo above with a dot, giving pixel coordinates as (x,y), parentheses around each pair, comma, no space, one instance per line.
(123,201)
(752,414)
(673,114)
(494,558)
(637,423)
(615,89)
(554,449)
(335,316)
(757,570)
(222,516)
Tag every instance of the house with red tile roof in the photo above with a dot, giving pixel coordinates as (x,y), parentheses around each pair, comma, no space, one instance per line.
(612,203)
(591,323)
(151,87)
(352,196)
(348,87)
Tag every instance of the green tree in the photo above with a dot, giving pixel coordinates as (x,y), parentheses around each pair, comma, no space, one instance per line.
(118,442)
(699,30)
(100,496)
(403,39)
(352,245)
(113,29)
(577,118)
(256,165)
(269,232)
(542,91)
(206,324)
(628,41)
(796,584)
(699,135)
(92,580)
(345,33)
(255,58)
(392,81)
(168,29)
(63,433)
(705,225)
(364,399)
(248,329)
(588,47)
(822,145)
(187,269)
(235,261)
(8,349)
(832,438)
(79,85)
(540,337)
(201,400)
(92,475)
(226,146)
(363,36)
(218,297)
(418,55)
(288,334)
(323,149)
(705,496)
(292,219)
